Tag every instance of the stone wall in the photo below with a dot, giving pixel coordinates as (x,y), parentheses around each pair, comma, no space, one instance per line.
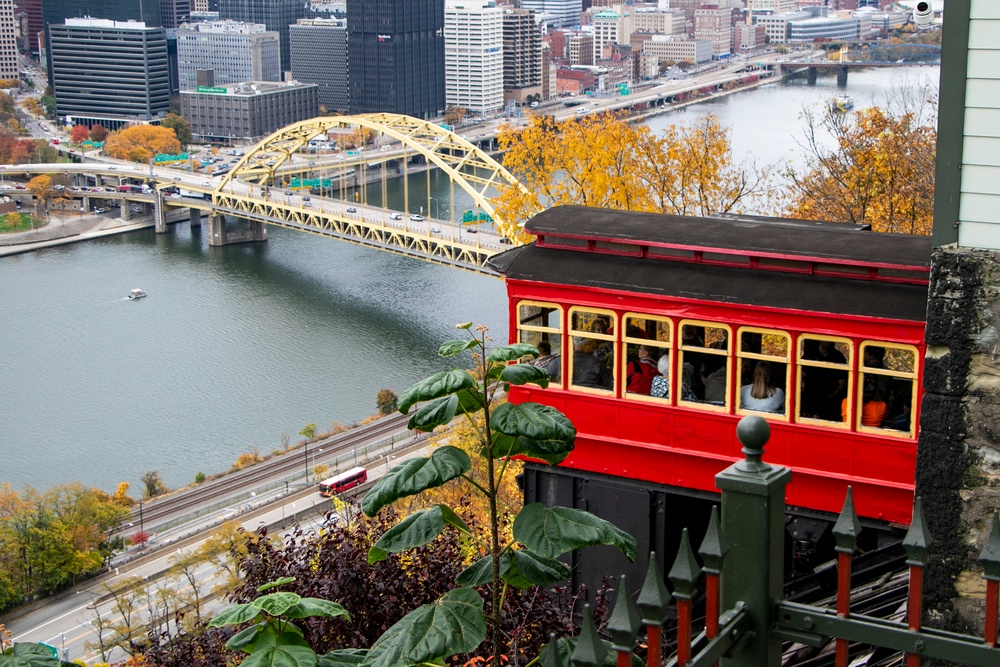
(958,459)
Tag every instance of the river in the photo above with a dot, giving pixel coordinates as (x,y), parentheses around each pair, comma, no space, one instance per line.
(236,347)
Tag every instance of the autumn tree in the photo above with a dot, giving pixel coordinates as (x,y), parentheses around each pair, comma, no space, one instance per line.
(153,484)
(12,221)
(79,133)
(139,143)
(386,401)
(454,115)
(41,187)
(879,170)
(98,133)
(605,162)
(180,126)
(14,150)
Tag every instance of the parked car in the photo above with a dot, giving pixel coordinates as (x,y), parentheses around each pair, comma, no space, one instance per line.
(100,210)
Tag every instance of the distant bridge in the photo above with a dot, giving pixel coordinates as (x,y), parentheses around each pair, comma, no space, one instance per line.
(253,191)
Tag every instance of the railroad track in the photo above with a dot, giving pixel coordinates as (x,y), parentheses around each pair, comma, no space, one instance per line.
(274,470)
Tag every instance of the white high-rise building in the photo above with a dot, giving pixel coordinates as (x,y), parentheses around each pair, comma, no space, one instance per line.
(8,42)
(238,52)
(611,26)
(564,13)
(473,55)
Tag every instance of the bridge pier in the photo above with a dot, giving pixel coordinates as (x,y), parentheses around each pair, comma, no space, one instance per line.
(811,76)
(159,214)
(842,76)
(126,210)
(195,217)
(220,235)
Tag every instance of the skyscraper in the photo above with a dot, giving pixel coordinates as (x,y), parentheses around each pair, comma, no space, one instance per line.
(473,55)
(173,13)
(563,12)
(236,52)
(319,55)
(108,72)
(147,11)
(395,54)
(8,42)
(522,55)
(277,15)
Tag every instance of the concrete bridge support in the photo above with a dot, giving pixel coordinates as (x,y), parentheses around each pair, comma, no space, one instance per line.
(220,235)
(126,210)
(811,76)
(842,76)
(159,214)
(195,216)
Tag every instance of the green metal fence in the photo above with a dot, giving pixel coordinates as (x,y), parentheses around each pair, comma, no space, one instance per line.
(746,619)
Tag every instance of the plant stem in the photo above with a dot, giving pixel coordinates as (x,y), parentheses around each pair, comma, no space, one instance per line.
(495,545)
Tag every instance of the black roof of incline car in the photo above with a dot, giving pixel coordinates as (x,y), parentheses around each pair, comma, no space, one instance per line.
(669,244)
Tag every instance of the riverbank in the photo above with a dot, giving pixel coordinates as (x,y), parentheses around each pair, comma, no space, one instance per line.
(67,229)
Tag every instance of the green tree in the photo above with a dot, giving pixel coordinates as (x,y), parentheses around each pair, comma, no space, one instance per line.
(13,221)
(308,431)
(180,126)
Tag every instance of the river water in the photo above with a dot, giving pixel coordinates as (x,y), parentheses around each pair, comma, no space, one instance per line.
(237,346)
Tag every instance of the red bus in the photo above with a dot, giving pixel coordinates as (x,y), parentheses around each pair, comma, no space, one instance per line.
(343,482)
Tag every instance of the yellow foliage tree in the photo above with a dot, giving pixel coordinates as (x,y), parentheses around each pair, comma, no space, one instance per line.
(880,171)
(139,143)
(605,162)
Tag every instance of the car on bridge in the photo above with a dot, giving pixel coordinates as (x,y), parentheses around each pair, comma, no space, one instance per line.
(351,209)
(395,216)
(417,218)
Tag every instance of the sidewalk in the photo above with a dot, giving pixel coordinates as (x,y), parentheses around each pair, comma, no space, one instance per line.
(69,229)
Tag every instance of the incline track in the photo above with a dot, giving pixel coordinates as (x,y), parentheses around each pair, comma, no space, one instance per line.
(275,469)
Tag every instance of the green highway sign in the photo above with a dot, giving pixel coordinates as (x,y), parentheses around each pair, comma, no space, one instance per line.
(211,89)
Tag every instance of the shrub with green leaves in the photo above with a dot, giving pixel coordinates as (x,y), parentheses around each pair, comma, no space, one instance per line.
(457,623)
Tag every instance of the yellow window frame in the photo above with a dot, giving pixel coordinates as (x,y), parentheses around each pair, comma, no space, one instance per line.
(668,344)
(727,353)
(813,363)
(886,372)
(572,333)
(740,354)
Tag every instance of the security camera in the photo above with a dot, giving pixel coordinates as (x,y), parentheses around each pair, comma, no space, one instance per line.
(923,13)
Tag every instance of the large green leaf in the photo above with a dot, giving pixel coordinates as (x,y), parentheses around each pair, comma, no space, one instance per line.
(281,581)
(239,613)
(534,421)
(512,352)
(437,385)
(277,604)
(450,348)
(245,638)
(524,569)
(454,624)
(25,654)
(309,607)
(479,573)
(416,475)
(524,374)
(416,530)
(282,656)
(469,400)
(550,451)
(342,657)
(434,413)
(551,531)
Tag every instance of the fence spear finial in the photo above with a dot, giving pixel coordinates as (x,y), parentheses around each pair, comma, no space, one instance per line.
(590,650)
(625,620)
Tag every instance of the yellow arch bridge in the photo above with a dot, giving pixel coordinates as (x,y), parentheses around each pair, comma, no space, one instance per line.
(252,189)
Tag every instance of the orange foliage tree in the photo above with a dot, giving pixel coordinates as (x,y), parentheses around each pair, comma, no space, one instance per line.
(79,133)
(879,170)
(139,143)
(604,161)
